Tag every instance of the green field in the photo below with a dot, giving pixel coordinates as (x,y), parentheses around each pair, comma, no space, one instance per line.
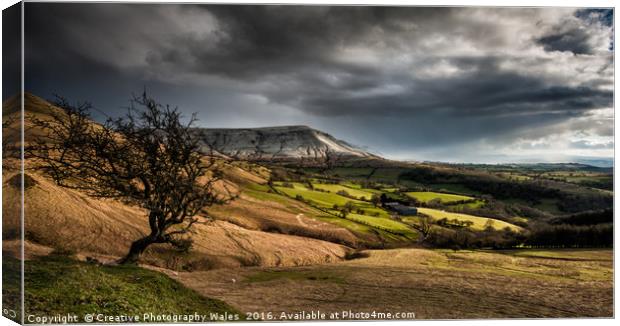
(350,184)
(327,200)
(366,228)
(427,196)
(373,216)
(479,222)
(359,193)
(446,199)
(323,199)
(385,224)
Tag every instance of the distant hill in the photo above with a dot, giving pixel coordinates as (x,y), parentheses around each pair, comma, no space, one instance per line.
(279,144)
(597,162)
(540,167)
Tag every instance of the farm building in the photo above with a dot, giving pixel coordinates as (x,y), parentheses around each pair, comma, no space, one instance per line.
(402,209)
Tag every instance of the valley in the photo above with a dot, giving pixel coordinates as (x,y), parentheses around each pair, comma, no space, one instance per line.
(319,223)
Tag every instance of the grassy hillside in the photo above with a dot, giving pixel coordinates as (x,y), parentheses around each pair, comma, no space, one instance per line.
(68,220)
(61,285)
(435,284)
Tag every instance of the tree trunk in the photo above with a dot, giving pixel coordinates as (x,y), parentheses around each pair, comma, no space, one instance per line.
(137,248)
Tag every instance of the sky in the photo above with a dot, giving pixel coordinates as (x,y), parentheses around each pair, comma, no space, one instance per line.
(481,85)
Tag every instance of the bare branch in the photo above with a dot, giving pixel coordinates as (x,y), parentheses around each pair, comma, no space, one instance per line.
(147,157)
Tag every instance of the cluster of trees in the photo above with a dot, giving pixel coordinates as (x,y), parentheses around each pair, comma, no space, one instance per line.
(376,200)
(499,210)
(586,218)
(438,203)
(604,183)
(574,203)
(541,235)
(346,209)
(343,193)
(463,238)
(454,223)
(497,187)
(570,236)
(279,173)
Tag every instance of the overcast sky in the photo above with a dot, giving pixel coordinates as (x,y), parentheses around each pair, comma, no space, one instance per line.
(448,84)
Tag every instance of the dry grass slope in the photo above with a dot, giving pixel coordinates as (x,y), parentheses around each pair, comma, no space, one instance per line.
(434,284)
(66,220)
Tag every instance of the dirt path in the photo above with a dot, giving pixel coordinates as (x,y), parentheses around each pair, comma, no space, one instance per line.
(298,217)
(434,285)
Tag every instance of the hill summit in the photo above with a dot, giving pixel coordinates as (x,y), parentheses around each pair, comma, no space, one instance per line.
(278,143)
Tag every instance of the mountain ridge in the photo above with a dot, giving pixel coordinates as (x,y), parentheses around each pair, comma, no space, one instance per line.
(278,143)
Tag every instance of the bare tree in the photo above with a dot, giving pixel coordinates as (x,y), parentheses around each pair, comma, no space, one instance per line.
(147,157)
(9,148)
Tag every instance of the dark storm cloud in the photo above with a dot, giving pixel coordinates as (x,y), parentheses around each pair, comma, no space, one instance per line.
(573,37)
(266,43)
(487,92)
(11,50)
(574,40)
(254,41)
(371,75)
